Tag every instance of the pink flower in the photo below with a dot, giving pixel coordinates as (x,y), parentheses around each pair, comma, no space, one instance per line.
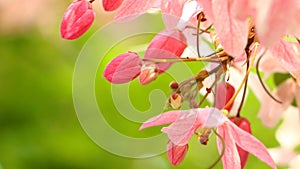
(233,136)
(167,44)
(184,123)
(123,68)
(111,5)
(77,19)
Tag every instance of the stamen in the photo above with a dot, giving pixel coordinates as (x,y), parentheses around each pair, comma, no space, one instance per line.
(244,80)
(248,52)
(262,83)
(223,150)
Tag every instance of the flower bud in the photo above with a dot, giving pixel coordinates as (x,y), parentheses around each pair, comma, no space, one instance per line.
(176,153)
(175,100)
(111,5)
(244,124)
(174,85)
(77,19)
(123,68)
(149,73)
(166,45)
(225,91)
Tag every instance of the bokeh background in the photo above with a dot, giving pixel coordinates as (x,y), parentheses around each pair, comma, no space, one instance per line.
(39,128)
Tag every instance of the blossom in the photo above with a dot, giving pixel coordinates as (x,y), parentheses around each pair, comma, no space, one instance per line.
(123,68)
(184,123)
(111,5)
(167,44)
(77,19)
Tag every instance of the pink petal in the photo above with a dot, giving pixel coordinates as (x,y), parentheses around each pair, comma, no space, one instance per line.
(244,124)
(185,126)
(207,8)
(287,54)
(123,68)
(249,143)
(131,9)
(269,65)
(176,153)
(232,32)
(164,118)
(225,91)
(190,121)
(230,159)
(271,23)
(165,45)
(77,19)
(171,12)
(111,5)
(242,9)
(188,15)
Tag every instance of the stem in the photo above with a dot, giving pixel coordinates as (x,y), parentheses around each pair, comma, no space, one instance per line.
(244,80)
(262,83)
(208,91)
(223,150)
(91,1)
(208,59)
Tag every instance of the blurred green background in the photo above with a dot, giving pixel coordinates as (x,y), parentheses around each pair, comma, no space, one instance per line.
(39,128)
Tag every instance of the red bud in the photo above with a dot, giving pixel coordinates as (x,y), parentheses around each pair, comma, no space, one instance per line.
(175,100)
(165,45)
(176,153)
(123,68)
(244,124)
(225,91)
(111,5)
(77,19)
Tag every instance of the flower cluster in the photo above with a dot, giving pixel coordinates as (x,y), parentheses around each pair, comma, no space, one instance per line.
(242,33)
